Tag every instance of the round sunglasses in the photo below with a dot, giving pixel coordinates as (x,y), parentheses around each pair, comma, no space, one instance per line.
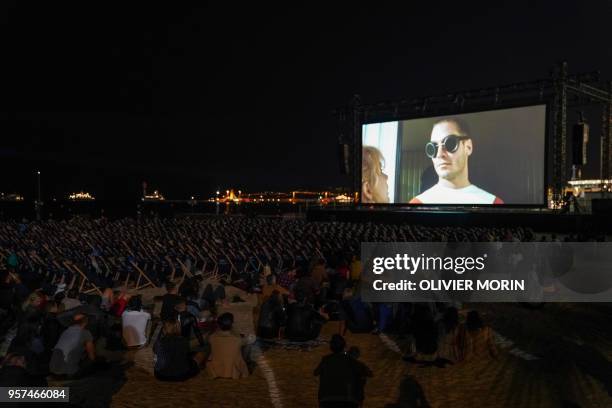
(450,143)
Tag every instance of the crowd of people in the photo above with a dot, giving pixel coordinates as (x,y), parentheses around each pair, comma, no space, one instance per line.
(66,311)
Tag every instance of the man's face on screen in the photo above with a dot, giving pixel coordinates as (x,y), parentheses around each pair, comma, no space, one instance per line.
(449,165)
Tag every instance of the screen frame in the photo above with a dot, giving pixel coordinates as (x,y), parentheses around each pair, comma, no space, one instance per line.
(546,102)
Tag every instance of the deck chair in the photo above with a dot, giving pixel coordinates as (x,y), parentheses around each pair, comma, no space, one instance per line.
(186,271)
(142,275)
(223,269)
(233,270)
(84,280)
(254,254)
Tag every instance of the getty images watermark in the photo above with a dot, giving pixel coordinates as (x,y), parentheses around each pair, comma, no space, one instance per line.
(487,272)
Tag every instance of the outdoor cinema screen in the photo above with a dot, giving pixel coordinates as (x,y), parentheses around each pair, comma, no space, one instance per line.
(483,158)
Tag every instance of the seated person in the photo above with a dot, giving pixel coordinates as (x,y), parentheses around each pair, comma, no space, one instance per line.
(319,273)
(29,342)
(226,359)
(51,327)
(287,279)
(338,285)
(169,301)
(385,317)
(135,323)
(425,334)
(304,322)
(211,294)
(74,353)
(359,315)
(108,298)
(308,287)
(188,322)
(189,288)
(193,306)
(341,377)
(14,372)
(174,359)
(121,301)
(35,302)
(111,347)
(270,287)
(96,316)
(475,338)
(426,340)
(448,332)
(271,316)
(356,268)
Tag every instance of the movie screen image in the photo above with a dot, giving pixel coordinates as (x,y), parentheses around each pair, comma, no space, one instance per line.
(484,158)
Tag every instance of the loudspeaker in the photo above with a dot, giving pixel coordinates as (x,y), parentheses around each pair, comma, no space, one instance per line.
(344,156)
(601,206)
(580,138)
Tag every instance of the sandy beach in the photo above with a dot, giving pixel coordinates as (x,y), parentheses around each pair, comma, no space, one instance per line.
(570,346)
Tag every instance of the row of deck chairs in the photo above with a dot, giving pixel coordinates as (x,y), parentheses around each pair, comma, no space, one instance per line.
(230,264)
(91,254)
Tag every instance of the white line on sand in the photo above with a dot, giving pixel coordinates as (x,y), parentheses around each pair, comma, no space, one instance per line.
(390,343)
(503,342)
(268,373)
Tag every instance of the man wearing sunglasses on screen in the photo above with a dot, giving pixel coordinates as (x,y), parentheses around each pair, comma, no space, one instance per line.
(449,149)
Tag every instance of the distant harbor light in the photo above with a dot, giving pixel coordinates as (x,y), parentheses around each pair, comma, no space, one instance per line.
(81,196)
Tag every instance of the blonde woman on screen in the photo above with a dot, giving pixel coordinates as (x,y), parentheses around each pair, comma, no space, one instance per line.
(374,186)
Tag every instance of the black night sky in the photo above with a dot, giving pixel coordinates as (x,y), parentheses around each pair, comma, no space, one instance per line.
(102,97)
